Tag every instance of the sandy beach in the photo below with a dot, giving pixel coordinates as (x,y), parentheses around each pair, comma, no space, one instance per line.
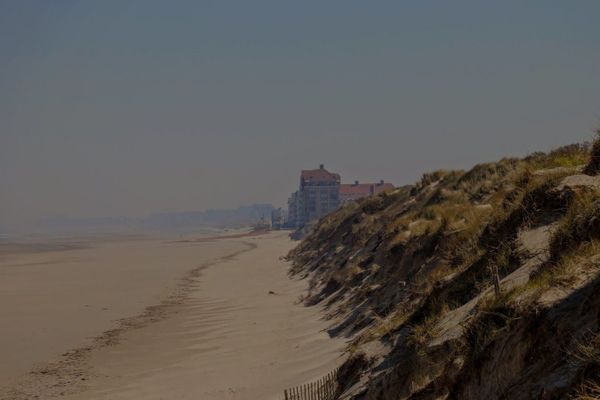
(158,319)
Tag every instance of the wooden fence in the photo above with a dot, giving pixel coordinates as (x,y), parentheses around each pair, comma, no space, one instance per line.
(325,388)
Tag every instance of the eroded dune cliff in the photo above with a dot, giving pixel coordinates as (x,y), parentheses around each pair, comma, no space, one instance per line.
(468,285)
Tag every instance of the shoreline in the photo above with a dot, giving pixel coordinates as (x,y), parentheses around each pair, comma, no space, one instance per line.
(251,233)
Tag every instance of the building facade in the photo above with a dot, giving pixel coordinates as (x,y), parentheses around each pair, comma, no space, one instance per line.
(277,219)
(292,216)
(317,196)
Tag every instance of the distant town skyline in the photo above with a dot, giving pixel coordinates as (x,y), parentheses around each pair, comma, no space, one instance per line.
(134,107)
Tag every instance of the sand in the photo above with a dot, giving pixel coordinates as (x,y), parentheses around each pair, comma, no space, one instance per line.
(159,319)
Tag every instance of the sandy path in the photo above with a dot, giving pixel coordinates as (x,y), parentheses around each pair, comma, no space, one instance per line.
(228,339)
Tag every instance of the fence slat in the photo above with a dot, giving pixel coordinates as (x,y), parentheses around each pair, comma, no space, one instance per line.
(322,390)
(321,387)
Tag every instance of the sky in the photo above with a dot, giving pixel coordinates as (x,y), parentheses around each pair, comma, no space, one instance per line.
(128,107)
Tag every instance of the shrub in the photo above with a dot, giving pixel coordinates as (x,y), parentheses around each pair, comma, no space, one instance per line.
(580,224)
(593,166)
(569,156)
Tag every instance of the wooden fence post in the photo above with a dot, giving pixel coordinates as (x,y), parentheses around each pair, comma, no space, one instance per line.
(322,389)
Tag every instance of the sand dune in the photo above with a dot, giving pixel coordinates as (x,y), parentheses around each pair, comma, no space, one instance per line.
(213,329)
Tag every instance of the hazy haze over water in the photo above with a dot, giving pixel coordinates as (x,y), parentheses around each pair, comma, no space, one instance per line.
(132,107)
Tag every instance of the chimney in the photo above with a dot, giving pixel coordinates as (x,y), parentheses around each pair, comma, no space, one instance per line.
(322,166)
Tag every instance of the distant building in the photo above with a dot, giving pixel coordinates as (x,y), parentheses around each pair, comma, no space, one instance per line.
(292,217)
(356,190)
(277,219)
(321,192)
(317,196)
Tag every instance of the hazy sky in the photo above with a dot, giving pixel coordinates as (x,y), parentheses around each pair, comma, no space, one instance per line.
(130,107)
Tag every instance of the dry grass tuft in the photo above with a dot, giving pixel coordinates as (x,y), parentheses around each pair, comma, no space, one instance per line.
(580,224)
(423,332)
(588,391)
(593,166)
(569,156)
(483,329)
(587,356)
(561,273)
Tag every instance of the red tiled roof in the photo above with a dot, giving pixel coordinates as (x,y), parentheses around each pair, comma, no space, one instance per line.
(363,189)
(383,187)
(318,175)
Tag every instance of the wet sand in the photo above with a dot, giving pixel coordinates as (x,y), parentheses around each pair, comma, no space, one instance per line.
(154,319)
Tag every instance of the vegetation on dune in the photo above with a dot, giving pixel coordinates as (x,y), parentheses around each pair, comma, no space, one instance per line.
(587,355)
(452,274)
(571,156)
(593,165)
(580,225)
